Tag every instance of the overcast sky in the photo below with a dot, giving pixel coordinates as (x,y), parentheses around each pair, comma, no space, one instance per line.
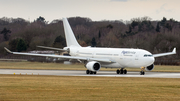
(93,9)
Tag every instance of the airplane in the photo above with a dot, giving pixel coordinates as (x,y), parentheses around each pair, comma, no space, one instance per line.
(95,57)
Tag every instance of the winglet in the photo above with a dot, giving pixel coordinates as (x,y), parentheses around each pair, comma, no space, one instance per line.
(7,50)
(174,50)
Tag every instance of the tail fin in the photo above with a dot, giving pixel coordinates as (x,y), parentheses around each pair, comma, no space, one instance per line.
(70,38)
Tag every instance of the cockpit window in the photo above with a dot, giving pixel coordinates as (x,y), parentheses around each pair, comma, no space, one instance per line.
(147,55)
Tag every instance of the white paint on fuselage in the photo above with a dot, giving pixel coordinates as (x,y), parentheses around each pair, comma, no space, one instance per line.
(123,57)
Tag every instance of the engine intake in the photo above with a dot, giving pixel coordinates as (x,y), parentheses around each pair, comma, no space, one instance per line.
(149,68)
(93,66)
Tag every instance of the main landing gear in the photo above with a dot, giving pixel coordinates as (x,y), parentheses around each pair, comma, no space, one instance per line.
(121,71)
(142,72)
(90,72)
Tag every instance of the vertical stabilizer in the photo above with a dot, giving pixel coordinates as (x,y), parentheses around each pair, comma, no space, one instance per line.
(70,38)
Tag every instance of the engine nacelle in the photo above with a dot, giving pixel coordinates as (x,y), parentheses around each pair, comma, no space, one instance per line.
(149,68)
(93,66)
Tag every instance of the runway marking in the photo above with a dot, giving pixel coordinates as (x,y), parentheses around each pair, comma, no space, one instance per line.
(83,73)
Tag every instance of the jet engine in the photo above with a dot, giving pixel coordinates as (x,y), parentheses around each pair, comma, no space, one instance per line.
(93,66)
(149,68)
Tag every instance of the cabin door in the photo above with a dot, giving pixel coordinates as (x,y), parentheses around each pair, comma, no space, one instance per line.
(137,56)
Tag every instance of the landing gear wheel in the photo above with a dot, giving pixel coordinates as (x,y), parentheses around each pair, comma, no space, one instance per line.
(121,71)
(125,71)
(91,72)
(118,71)
(142,72)
(87,71)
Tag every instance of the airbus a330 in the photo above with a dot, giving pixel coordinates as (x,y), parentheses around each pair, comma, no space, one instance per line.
(94,57)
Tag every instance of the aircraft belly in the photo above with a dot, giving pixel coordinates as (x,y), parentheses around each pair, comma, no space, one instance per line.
(111,65)
(129,62)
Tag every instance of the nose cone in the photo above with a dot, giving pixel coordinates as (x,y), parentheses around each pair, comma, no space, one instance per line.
(152,60)
(148,61)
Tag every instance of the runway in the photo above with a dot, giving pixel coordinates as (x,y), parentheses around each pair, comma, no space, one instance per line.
(83,73)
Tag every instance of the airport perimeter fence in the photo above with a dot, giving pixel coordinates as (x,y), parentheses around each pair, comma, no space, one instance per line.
(11,57)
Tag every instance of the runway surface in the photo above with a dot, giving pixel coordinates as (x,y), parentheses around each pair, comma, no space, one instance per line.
(83,73)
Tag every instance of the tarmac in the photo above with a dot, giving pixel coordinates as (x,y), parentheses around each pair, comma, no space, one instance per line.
(83,73)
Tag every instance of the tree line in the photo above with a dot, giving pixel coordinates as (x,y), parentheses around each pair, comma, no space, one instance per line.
(143,33)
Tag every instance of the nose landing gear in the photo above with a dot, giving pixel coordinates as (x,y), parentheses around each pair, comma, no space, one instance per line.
(142,72)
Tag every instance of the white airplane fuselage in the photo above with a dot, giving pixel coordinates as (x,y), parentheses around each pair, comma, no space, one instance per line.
(123,57)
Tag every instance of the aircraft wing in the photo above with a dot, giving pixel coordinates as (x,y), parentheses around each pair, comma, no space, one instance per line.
(164,54)
(51,48)
(61,56)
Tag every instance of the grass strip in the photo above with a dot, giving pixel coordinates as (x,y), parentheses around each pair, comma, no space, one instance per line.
(46,88)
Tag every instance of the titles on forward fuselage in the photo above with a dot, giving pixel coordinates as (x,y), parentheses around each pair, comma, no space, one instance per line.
(128,52)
